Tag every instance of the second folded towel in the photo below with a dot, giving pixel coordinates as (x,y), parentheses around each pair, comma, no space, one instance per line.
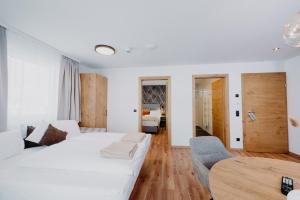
(120,150)
(134,137)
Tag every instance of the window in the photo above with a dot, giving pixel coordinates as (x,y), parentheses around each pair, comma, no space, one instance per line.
(33,71)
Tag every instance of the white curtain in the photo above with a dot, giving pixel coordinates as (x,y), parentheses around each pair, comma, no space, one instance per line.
(207,111)
(3,79)
(33,71)
(204,109)
(69,90)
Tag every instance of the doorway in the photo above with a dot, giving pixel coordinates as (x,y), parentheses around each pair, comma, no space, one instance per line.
(210,107)
(265,122)
(155,105)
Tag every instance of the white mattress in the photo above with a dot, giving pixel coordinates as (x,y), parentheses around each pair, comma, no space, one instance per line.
(20,179)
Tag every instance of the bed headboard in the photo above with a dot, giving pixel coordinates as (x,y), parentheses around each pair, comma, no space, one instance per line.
(152,106)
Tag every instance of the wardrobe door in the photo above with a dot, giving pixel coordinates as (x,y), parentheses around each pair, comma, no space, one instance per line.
(93,101)
(88,100)
(101,103)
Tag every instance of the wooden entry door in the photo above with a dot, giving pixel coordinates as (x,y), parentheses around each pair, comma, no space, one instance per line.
(218,109)
(264,100)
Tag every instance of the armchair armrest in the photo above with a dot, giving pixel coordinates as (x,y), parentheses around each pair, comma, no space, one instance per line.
(201,171)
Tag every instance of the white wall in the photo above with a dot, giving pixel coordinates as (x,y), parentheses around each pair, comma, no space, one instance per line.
(292,68)
(123,95)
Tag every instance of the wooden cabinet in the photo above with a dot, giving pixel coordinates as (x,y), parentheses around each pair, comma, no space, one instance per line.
(93,101)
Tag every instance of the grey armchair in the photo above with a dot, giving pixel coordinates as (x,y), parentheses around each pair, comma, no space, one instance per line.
(206,151)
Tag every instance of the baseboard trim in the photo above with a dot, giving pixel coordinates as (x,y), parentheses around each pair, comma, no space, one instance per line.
(236,149)
(181,147)
(294,155)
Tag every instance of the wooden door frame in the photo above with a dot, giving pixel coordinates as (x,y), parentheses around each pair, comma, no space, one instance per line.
(244,114)
(168,98)
(226,104)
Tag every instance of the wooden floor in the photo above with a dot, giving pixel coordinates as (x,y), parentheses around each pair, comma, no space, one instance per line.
(167,172)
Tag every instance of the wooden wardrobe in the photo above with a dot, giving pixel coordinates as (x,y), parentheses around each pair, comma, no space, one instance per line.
(93,101)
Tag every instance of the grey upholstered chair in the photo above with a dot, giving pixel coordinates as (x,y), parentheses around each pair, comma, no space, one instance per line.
(206,151)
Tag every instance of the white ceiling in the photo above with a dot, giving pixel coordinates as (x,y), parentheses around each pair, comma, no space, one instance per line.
(184,32)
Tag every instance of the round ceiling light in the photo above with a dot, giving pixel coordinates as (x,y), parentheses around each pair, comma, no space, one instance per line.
(105,50)
(291,31)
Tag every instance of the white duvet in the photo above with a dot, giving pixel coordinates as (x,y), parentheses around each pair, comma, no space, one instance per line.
(82,153)
(45,184)
(73,169)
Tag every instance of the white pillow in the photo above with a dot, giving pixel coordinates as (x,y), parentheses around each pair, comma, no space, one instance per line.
(11,143)
(69,126)
(38,132)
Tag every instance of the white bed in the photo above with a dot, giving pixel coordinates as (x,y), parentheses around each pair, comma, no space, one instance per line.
(153,119)
(72,169)
(151,122)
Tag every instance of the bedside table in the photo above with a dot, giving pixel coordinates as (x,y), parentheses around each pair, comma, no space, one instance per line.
(163,122)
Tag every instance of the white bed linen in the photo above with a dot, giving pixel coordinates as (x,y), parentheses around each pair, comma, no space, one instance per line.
(11,143)
(6,163)
(31,183)
(150,123)
(37,184)
(83,153)
(153,119)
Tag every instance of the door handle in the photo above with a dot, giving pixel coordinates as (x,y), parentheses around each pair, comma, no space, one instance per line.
(252,116)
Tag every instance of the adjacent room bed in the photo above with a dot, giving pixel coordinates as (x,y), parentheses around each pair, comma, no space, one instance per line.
(151,118)
(72,169)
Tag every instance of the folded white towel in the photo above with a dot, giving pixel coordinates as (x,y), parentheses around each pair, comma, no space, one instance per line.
(134,137)
(120,150)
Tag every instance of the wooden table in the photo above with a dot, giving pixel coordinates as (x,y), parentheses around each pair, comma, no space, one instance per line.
(251,178)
